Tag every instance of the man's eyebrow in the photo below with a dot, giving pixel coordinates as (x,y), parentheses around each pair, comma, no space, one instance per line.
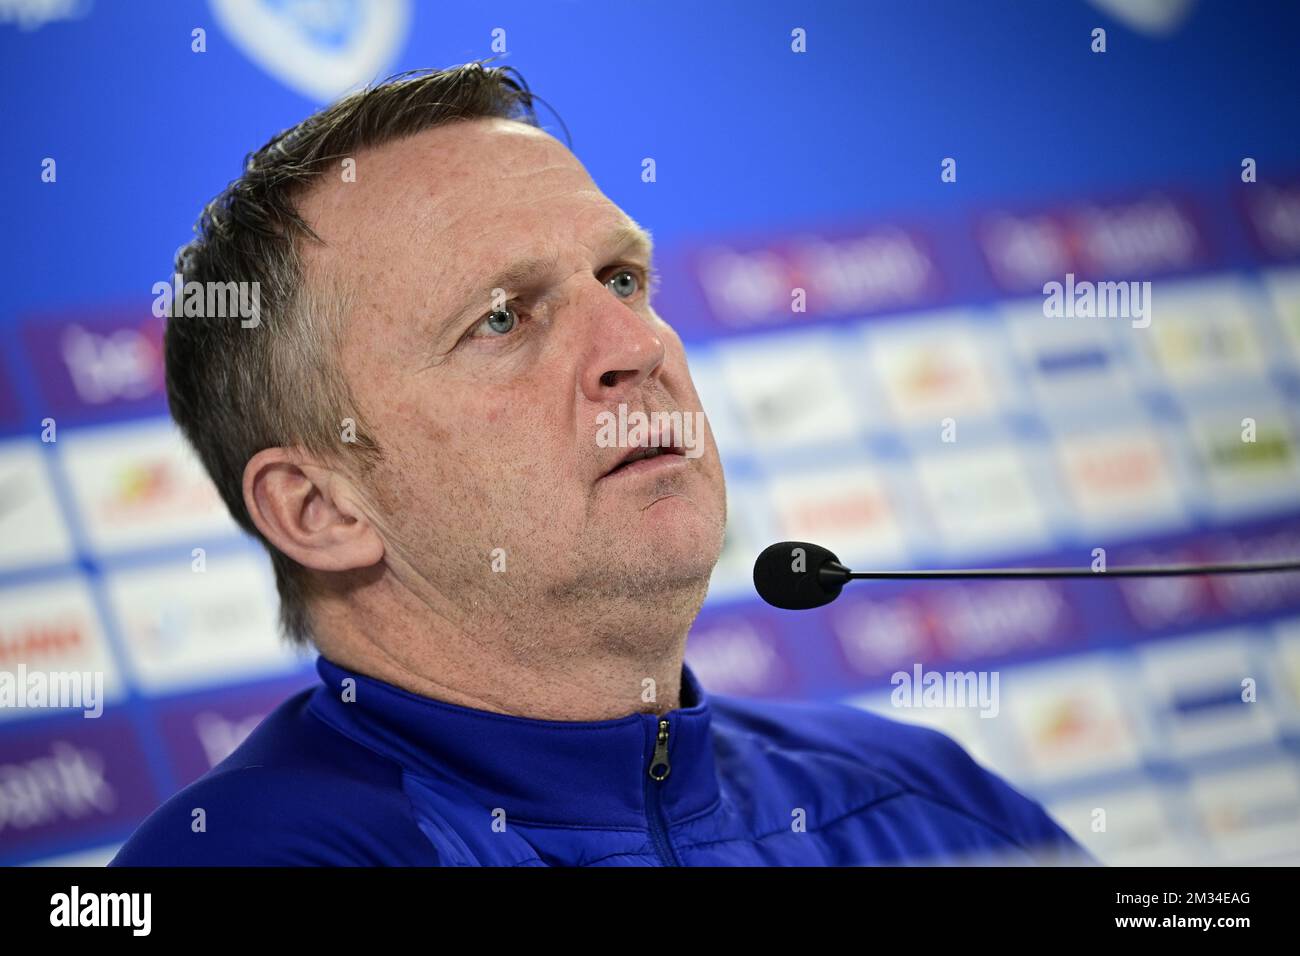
(624,240)
(629,237)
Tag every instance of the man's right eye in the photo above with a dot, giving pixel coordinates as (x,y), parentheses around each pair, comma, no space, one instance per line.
(497,322)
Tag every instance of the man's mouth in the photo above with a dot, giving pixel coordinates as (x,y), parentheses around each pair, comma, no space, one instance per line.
(644,459)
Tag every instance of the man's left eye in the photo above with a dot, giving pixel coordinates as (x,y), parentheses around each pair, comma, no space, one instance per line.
(624,283)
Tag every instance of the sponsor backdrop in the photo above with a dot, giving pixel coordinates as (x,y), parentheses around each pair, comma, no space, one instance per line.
(921,410)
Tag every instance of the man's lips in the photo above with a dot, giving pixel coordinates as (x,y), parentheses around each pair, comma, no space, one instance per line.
(640,461)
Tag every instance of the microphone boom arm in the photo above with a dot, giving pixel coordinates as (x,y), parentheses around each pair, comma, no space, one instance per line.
(799,575)
(833,573)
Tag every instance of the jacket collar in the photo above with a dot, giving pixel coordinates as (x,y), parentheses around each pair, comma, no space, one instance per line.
(545,771)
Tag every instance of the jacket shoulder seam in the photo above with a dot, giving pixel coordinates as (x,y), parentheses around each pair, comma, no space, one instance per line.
(413,816)
(860,809)
(904,787)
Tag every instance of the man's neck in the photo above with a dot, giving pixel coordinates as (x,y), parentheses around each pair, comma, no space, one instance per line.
(548,665)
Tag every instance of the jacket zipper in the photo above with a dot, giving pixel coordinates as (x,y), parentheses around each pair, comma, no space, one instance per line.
(656,774)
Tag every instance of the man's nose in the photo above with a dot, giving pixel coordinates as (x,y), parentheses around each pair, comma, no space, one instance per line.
(622,348)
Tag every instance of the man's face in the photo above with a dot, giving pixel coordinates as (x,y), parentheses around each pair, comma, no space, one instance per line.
(484,392)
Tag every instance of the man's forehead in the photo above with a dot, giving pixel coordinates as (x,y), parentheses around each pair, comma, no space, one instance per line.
(458,163)
(448,210)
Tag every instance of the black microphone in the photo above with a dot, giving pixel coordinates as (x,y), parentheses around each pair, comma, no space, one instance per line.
(797,576)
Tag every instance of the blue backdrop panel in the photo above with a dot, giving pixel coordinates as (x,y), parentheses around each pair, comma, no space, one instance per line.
(775,170)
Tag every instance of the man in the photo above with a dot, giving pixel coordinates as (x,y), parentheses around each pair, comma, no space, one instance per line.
(449,309)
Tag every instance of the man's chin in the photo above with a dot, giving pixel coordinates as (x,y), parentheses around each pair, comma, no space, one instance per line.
(672,540)
(667,538)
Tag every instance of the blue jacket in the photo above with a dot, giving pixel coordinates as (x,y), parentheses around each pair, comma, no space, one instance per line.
(395,778)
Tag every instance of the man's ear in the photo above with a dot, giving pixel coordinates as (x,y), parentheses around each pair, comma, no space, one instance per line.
(309,512)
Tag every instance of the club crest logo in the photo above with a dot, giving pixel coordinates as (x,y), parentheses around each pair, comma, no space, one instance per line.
(321,48)
(1152,17)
